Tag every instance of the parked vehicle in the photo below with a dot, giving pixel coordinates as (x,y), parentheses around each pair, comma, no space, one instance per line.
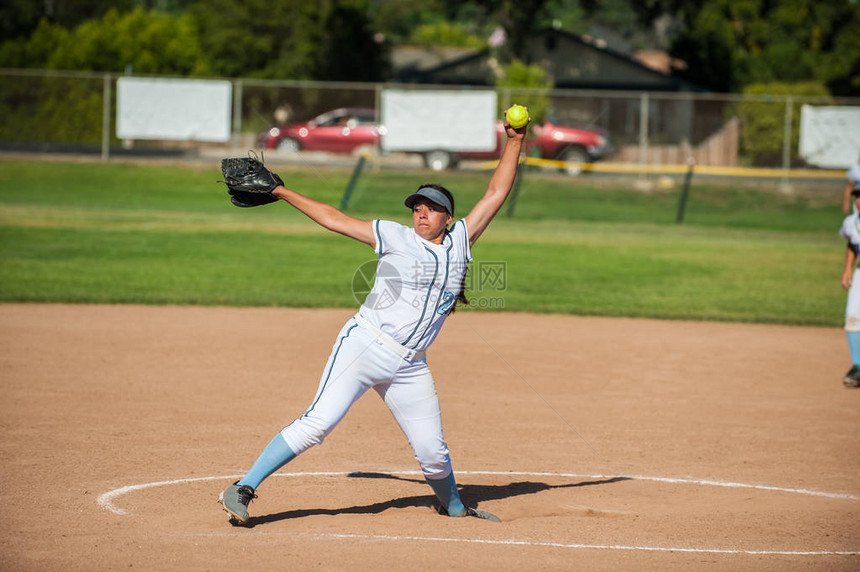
(346,129)
(548,140)
(338,131)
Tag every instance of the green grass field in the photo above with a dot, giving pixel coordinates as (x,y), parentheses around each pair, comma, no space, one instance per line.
(133,233)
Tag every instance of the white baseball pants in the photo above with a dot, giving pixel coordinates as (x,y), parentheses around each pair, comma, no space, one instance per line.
(852,307)
(359,361)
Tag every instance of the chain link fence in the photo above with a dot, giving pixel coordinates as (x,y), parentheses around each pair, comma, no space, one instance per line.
(53,111)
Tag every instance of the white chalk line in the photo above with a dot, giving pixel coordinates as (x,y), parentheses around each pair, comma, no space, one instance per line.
(586,546)
(106,501)
(519,542)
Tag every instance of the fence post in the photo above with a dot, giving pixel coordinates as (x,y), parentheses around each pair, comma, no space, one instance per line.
(344,201)
(643,134)
(107,96)
(786,141)
(377,109)
(237,115)
(506,99)
(685,192)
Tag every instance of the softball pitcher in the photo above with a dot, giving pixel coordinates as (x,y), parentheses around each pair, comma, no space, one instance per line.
(420,277)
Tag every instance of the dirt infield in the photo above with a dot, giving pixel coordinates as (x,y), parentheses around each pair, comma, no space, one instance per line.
(603,444)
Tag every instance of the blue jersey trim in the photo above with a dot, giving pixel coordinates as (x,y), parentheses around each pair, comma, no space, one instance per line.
(427,297)
(378,237)
(467,250)
(331,367)
(441,294)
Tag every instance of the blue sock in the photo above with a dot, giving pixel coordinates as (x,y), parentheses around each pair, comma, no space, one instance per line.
(446,491)
(276,454)
(854,346)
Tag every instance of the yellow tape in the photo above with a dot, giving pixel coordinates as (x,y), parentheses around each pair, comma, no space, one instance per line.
(628,168)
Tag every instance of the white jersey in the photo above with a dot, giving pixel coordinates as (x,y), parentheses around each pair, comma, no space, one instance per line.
(417,282)
(851,231)
(853,174)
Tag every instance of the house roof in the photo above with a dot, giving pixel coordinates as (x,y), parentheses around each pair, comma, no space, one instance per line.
(410,59)
(573,62)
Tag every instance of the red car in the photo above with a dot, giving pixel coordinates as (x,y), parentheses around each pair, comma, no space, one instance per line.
(346,129)
(548,140)
(339,131)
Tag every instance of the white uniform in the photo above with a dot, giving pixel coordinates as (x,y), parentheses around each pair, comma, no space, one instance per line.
(853,174)
(851,232)
(382,347)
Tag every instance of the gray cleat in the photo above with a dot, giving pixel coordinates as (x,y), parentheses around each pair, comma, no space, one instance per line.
(852,378)
(482,514)
(235,500)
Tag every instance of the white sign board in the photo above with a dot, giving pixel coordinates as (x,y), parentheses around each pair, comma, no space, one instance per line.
(177,109)
(830,136)
(449,120)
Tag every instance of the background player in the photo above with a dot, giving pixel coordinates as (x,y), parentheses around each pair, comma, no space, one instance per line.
(852,182)
(851,232)
(383,346)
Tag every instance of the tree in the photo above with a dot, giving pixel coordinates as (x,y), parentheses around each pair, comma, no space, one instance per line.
(147,41)
(351,52)
(517,17)
(398,21)
(289,40)
(708,49)
(840,64)
(764,121)
(519,75)
(19,18)
(728,44)
(36,50)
